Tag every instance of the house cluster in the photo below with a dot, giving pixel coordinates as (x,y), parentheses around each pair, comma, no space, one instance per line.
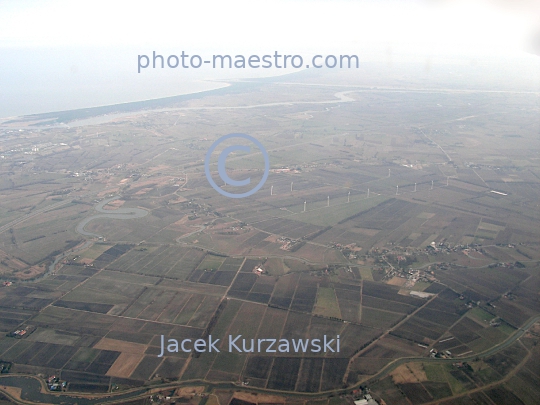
(463,365)
(286,243)
(509,296)
(171,397)
(445,247)
(368,400)
(4,367)
(55,384)
(412,275)
(287,169)
(470,304)
(235,229)
(363,397)
(31,150)
(504,265)
(350,251)
(22,332)
(435,354)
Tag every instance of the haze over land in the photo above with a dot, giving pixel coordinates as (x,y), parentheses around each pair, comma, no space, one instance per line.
(400,216)
(58,60)
(427,186)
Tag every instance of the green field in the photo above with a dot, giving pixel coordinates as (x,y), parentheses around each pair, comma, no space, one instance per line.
(94,251)
(435,372)
(455,385)
(480,315)
(211,262)
(366,274)
(327,303)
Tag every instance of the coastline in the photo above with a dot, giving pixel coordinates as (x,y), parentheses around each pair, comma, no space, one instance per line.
(58,118)
(62,117)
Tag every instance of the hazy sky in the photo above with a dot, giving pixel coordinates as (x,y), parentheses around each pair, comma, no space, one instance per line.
(489,26)
(72,54)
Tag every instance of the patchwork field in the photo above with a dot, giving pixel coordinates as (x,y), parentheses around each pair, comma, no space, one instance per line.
(403,221)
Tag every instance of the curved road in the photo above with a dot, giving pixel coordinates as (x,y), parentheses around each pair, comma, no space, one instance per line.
(119,213)
(32,387)
(396,363)
(34,390)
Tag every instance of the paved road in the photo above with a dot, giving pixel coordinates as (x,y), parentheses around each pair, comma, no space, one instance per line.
(119,213)
(390,367)
(31,392)
(33,214)
(31,386)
